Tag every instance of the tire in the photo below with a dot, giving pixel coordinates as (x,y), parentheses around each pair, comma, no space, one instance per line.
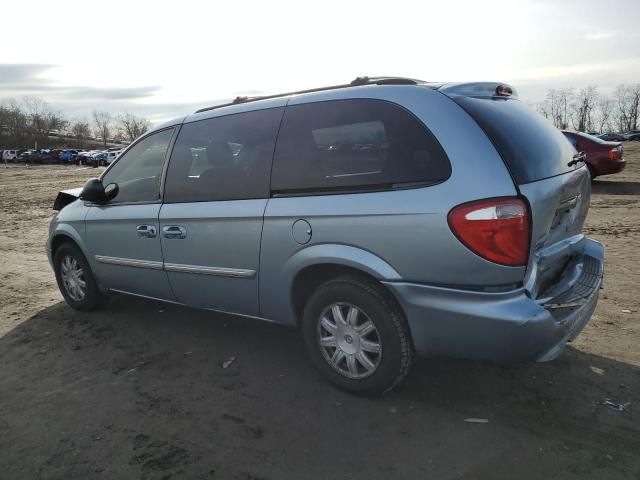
(391,333)
(592,173)
(91,297)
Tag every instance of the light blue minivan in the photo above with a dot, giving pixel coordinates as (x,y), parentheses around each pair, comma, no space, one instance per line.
(383,217)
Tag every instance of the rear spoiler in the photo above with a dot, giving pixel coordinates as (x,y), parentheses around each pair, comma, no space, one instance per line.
(479,89)
(65,197)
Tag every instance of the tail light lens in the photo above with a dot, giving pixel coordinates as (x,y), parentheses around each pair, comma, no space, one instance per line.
(496,229)
(615,153)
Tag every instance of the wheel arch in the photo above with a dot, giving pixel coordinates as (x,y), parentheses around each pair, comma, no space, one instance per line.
(65,233)
(321,263)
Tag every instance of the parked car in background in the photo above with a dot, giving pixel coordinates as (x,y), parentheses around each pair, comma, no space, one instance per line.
(87,157)
(603,157)
(53,133)
(67,156)
(112,155)
(99,159)
(9,155)
(456,231)
(46,156)
(632,135)
(612,137)
(27,156)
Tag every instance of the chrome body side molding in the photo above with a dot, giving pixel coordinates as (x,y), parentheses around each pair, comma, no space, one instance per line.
(129,262)
(177,267)
(218,271)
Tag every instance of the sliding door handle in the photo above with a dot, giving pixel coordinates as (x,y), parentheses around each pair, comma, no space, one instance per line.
(174,231)
(147,231)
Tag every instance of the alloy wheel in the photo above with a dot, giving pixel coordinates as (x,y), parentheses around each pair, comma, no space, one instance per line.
(73,278)
(349,340)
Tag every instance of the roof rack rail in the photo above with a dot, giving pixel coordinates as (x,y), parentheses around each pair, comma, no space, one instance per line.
(357,82)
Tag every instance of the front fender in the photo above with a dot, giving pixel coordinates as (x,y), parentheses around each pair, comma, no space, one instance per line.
(69,223)
(69,232)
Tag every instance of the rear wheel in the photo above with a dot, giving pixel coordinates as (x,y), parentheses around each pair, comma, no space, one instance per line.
(357,336)
(75,279)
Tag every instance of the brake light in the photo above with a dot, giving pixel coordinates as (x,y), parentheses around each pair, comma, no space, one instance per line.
(496,229)
(615,153)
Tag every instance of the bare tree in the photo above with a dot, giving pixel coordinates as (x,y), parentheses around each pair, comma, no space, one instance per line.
(41,117)
(634,93)
(583,107)
(604,109)
(627,100)
(131,126)
(103,123)
(81,130)
(556,106)
(16,123)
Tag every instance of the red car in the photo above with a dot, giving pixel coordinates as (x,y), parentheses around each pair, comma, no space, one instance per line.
(603,158)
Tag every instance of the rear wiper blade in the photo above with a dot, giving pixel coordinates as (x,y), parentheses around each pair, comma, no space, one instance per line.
(577,158)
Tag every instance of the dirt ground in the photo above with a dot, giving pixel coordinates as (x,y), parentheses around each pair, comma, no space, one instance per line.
(137,390)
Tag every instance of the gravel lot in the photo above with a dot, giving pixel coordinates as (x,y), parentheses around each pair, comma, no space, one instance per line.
(137,390)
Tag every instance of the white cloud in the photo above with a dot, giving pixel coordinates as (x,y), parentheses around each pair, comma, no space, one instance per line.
(599,35)
(167,57)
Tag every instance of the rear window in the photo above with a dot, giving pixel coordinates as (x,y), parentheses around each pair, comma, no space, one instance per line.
(354,145)
(531,147)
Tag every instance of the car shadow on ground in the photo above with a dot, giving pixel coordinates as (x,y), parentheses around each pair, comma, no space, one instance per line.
(615,187)
(143,389)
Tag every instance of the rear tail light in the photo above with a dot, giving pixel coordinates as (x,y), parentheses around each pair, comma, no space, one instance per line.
(496,229)
(615,153)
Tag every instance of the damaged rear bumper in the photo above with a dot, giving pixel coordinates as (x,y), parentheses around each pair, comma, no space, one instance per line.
(502,326)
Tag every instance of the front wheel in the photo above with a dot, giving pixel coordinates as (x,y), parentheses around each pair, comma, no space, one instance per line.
(75,279)
(357,336)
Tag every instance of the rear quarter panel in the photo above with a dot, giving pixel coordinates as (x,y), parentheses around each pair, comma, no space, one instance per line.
(405,230)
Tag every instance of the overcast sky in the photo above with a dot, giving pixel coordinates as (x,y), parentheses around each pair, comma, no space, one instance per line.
(164,59)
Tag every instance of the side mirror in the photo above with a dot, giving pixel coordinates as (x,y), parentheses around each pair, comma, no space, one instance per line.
(93,191)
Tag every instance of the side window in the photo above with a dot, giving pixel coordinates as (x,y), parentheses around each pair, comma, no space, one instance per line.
(354,145)
(223,158)
(139,170)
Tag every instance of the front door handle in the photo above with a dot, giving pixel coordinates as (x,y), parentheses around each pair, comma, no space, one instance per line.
(174,231)
(147,231)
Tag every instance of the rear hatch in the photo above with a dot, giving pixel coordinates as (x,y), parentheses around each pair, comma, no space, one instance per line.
(557,188)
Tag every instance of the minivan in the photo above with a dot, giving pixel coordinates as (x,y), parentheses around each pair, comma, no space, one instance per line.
(383,218)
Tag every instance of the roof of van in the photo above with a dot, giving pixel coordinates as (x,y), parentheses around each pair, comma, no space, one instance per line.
(451,89)
(448,88)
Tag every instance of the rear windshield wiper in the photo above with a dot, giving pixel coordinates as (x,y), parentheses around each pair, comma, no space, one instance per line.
(577,158)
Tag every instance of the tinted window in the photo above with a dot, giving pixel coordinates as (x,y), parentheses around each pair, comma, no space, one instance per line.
(138,171)
(354,144)
(223,158)
(529,144)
